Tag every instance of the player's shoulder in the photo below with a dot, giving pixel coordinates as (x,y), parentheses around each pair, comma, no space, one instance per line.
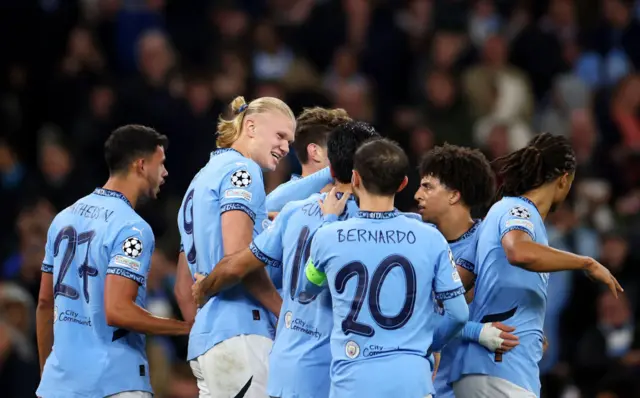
(227,160)
(426,230)
(294,207)
(412,216)
(514,207)
(134,225)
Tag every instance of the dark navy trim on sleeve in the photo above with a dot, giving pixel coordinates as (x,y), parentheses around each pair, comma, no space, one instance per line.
(468,265)
(238,206)
(449,294)
(260,255)
(127,274)
(47,269)
(518,228)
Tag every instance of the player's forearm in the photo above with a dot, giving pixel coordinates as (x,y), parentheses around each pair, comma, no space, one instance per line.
(222,278)
(230,271)
(298,189)
(44,332)
(260,286)
(535,257)
(188,307)
(132,317)
(182,291)
(456,315)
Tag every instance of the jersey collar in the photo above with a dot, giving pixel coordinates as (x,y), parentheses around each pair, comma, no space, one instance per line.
(469,232)
(112,194)
(378,215)
(224,150)
(530,202)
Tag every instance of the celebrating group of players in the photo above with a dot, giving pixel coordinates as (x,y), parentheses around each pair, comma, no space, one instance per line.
(303,294)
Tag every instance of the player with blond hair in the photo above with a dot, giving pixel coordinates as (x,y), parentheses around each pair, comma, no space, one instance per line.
(223,209)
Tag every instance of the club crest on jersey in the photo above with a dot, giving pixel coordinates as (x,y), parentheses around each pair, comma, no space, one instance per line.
(288,318)
(352,349)
(267,224)
(132,247)
(520,212)
(241,179)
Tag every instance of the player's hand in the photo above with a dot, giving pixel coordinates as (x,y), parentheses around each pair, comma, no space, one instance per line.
(545,344)
(498,337)
(333,205)
(272,215)
(598,272)
(198,290)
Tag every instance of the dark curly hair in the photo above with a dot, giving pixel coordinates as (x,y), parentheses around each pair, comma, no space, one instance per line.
(342,144)
(465,170)
(545,158)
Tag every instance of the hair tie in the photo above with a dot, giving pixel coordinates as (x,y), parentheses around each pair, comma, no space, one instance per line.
(242,108)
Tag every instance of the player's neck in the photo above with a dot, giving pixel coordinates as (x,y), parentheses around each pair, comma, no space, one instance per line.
(542,198)
(455,224)
(308,169)
(342,187)
(243,147)
(125,187)
(368,202)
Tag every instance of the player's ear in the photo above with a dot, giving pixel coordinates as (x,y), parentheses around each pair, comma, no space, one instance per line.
(355,179)
(249,126)
(313,152)
(454,197)
(403,184)
(139,165)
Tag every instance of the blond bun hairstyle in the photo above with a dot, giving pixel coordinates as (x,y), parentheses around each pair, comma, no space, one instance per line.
(229,130)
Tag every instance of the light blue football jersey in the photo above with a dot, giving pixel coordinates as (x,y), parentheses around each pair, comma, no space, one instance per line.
(509,294)
(298,188)
(381,269)
(228,182)
(301,355)
(100,234)
(464,252)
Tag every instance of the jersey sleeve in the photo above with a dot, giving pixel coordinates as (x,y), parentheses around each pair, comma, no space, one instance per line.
(447,283)
(47,262)
(131,253)
(467,260)
(268,246)
(242,189)
(298,189)
(517,218)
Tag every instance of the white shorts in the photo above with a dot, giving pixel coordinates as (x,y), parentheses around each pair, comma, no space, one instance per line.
(483,386)
(235,368)
(132,394)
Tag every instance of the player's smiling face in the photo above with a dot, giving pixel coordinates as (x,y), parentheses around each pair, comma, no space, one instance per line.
(433,199)
(271,133)
(155,172)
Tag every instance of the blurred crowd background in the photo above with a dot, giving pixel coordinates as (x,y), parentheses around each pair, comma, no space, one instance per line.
(484,73)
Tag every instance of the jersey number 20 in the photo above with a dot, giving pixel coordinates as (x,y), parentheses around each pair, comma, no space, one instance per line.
(364,289)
